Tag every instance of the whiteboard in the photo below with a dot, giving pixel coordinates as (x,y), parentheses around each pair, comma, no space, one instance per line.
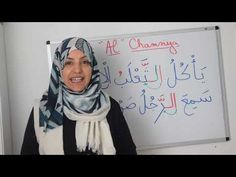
(169,84)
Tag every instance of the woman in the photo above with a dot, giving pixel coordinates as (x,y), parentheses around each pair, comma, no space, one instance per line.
(74,116)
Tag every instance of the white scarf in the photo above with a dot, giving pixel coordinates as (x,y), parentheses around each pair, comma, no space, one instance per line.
(91,131)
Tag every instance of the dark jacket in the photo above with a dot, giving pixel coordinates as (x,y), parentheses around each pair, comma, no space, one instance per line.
(119,131)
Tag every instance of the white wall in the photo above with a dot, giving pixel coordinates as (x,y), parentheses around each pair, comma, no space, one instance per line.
(1,129)
(5,129)
(27,69)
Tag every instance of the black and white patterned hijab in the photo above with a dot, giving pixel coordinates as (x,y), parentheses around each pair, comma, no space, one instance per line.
(88,107)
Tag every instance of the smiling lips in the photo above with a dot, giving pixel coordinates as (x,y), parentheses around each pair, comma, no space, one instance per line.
(76,79)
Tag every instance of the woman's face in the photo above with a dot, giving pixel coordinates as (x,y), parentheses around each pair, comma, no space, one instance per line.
(77,71)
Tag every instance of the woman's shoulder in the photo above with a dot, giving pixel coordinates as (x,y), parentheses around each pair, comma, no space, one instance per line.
(115,110)
(114,103)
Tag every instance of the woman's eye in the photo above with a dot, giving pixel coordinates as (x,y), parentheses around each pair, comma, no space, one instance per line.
(68,63)
(86,62)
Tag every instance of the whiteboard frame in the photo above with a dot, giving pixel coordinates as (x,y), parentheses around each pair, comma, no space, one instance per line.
(222,84)
(221,72)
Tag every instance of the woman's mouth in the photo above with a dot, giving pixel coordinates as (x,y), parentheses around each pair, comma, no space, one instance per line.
(76,79)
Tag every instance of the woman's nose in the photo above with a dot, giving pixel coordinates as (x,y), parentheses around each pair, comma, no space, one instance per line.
(77,68)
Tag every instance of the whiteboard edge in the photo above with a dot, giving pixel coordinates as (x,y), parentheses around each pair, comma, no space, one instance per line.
(49,56)
(222,80)
(146,33)
(177,144)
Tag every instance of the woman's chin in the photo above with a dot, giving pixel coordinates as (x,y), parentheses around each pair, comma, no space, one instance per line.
(77,89)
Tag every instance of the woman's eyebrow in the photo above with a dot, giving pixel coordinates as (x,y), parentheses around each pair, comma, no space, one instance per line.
(69,58)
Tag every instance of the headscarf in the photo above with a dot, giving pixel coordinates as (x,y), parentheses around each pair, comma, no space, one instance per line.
(88,107)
